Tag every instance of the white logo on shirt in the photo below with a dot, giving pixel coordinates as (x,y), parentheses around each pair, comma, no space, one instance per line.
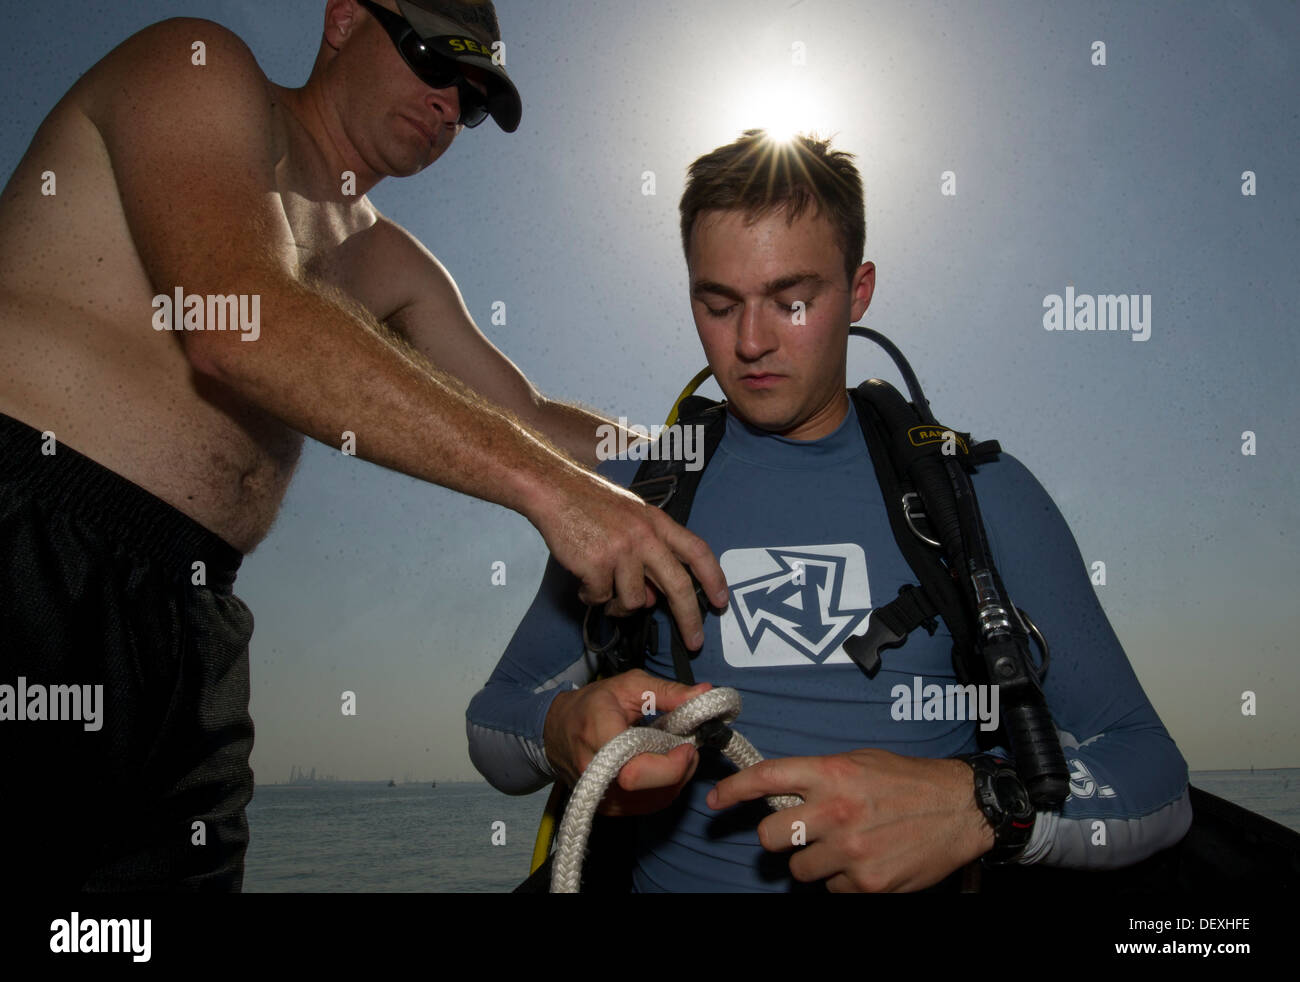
(794,605)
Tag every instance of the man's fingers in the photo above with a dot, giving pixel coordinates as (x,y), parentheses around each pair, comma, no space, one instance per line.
(668,695)
(653,786)
(595,591)
(780,775)
(787,829)
(616,609)
(675,584)
(695,552)
(818,862)
(630,585)
(646,771)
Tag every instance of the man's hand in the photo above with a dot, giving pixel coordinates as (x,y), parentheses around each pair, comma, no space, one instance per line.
(323,363)
(579,723)
(873,821)
(614,543)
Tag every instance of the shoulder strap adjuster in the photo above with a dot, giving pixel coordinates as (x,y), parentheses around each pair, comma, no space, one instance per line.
(656,491)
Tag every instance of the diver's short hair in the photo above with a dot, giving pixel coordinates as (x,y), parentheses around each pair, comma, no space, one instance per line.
(757,175)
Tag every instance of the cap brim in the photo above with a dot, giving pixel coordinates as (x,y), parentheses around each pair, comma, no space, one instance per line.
(503,102)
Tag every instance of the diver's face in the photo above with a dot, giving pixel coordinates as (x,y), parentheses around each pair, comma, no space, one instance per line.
(772,306)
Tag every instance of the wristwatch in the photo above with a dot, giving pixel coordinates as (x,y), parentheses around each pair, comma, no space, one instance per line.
(1005,803)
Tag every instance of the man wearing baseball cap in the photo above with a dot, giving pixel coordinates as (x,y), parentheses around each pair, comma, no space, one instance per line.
(442,35)
(191,280)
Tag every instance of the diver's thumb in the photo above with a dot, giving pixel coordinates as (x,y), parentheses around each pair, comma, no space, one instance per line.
(668,695)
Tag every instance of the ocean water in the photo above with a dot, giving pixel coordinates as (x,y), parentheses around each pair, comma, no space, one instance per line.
(1273,794)
(370,838)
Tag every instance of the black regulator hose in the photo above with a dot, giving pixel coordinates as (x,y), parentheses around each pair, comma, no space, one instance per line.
(1000,639)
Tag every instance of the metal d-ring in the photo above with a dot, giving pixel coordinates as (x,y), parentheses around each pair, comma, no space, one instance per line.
(593,649)
(670,480)
(1032,630)
(912,525)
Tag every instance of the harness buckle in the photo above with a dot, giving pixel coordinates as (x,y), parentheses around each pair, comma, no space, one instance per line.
(650,489)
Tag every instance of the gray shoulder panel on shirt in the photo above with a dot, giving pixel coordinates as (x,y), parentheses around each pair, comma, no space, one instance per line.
(512,763)
(1106,843)
(1097,843)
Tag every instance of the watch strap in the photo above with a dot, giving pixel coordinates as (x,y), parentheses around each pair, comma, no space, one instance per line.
(1005,804)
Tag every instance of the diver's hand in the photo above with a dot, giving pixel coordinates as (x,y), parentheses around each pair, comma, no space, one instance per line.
(624,550)
(873,821)
(579,723)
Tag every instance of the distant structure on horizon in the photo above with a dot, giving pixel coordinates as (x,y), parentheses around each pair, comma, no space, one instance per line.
(299,776)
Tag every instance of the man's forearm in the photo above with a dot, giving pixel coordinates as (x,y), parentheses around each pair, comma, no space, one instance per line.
(574,429)
(322,367)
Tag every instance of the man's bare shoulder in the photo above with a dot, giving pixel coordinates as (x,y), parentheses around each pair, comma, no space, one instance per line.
(184,62)
(396,238)
(397,254)
(402,247)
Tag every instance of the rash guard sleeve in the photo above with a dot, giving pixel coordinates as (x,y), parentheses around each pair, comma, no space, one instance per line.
(506,718)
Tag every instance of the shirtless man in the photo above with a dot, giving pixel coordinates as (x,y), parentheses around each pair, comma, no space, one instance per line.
(142,457)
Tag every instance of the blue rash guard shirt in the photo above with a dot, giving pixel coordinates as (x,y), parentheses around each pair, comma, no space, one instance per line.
(801,531)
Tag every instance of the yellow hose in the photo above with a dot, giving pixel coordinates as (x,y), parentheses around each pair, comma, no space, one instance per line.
(691,386)
(547,827)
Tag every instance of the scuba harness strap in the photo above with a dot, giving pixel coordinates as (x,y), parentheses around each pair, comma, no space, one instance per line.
(669,485)
(991,640)
(915,459)
(937,595)
(916,462)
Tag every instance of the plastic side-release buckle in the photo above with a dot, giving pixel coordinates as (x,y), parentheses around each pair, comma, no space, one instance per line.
(865,648)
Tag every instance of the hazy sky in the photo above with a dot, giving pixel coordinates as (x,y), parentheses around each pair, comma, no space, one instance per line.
(1125,178)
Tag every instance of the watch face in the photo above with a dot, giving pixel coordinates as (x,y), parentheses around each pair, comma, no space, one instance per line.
(1012,795)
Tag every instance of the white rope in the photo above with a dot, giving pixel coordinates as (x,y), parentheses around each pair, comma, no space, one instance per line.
(661,736)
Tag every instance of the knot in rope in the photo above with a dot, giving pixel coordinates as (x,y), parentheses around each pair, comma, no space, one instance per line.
(701,721)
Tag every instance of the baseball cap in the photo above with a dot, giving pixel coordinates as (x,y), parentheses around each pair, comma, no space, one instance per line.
(453,40)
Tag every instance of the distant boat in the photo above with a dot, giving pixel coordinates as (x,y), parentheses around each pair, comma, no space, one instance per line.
(434,784)
(392,783)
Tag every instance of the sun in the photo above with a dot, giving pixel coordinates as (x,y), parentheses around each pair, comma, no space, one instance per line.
(784,108)
(779,114)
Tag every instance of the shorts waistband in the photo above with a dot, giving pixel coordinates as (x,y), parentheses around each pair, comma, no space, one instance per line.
(116,508)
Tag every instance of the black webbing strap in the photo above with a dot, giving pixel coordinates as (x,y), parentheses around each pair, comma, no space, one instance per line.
(938,593)
(890,625)
(669,482)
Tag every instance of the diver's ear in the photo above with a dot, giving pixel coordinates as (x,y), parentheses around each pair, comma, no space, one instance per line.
(862,287)
(341,18)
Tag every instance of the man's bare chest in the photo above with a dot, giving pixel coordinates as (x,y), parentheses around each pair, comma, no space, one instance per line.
(341,249)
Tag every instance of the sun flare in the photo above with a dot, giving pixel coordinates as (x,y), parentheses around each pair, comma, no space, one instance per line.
(783,101)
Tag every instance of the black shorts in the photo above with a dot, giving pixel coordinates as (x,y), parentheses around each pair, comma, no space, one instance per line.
(144,787)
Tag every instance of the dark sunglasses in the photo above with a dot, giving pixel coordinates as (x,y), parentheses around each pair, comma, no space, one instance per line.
(430,67)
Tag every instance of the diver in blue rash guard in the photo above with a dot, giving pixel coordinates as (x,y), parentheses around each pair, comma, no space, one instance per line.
(791,505)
